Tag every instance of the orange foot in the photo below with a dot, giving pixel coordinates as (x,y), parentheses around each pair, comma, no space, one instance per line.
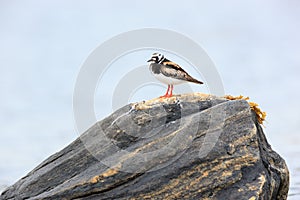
(166,96)
(169,92)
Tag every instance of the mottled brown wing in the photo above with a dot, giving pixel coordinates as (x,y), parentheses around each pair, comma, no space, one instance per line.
(173,65)
(175,71)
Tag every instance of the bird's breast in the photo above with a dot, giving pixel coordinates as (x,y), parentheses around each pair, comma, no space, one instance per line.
(168,80)
(155,68)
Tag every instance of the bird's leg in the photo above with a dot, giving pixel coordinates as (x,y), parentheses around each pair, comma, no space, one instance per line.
(171,91)
(167,93)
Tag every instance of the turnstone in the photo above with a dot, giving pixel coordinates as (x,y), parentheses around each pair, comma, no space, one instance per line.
(169,72)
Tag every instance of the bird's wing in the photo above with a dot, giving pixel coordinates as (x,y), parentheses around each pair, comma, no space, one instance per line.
(173,70)
(173,65)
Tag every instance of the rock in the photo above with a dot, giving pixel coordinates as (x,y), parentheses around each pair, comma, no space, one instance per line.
(192,146)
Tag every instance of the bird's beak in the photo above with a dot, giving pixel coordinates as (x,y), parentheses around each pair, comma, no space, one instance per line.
(150,60)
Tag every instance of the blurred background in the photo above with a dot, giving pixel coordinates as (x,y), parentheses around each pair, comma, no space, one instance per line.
(254,44)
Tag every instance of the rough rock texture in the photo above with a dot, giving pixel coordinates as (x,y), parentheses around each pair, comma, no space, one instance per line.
(191,146)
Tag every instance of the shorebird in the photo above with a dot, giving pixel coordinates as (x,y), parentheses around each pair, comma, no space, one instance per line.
(169,73)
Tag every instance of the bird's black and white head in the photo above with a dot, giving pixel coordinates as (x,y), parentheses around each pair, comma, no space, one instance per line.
(156,58)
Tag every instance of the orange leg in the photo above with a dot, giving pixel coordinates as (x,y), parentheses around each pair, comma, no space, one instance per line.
(167,93)
(171,92)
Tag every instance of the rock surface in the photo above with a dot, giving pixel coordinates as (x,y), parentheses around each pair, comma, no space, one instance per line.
(192,146)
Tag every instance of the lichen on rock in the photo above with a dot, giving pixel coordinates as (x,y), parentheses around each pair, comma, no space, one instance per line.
(261,115)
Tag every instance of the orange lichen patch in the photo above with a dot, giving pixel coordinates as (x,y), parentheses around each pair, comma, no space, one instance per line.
(110,172)
(191,97)
(229,97)
(95,179)
(262,182)
(227,173)
(205,174)
(261,116)
(107,173)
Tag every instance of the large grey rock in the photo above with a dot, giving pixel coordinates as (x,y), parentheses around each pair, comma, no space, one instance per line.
(191,146)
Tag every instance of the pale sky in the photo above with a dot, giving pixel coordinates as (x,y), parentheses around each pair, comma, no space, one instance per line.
(254,45)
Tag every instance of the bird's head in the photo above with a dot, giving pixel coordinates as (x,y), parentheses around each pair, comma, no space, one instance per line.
(156,58)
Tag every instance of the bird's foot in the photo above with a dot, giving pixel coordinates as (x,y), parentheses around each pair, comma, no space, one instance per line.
(166,96)
(169,92)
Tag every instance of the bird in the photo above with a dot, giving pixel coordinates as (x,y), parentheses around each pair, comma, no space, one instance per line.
(169,73)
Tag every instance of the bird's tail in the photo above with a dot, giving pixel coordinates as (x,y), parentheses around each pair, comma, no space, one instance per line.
(191,79)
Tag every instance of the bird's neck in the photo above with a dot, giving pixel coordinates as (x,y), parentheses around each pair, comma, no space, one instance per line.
(163,60)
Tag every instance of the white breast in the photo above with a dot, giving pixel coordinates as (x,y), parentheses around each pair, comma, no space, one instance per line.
(167,80)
